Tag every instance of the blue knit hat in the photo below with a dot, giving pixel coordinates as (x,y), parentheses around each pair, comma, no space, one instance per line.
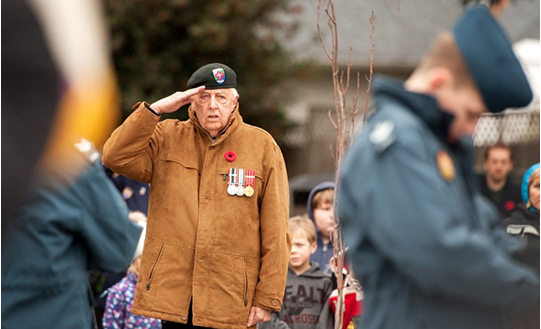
(526,182)
(491,60)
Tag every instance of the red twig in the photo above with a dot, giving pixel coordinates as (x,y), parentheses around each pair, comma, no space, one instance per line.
(372,20)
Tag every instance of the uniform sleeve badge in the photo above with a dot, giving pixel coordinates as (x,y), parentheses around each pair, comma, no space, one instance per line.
(87,148)
(446,166)
(382,135)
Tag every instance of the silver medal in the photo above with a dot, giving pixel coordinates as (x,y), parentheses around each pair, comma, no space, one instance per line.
(240,190)
(232,190)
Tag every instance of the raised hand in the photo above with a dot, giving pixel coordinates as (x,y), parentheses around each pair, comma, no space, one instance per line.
(175,101)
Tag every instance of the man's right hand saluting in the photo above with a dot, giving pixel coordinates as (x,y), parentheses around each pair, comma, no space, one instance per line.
(175,101)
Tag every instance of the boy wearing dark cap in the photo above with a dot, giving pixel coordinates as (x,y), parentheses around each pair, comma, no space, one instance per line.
(424,246)
(217,245)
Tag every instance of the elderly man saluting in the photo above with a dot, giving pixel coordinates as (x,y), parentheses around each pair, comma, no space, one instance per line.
(217,244)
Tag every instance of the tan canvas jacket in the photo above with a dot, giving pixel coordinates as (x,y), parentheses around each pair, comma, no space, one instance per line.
(226,252)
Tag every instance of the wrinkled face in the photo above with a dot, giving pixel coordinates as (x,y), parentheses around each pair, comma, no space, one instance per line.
(466,104)
(213,108)
(534,194)
(323,218)
(498,164)
(301,249)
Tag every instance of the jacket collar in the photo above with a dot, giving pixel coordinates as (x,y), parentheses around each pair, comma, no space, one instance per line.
(235,120)
(438,121)
(422,105)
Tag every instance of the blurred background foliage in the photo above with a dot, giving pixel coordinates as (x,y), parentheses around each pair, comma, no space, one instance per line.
(158,44)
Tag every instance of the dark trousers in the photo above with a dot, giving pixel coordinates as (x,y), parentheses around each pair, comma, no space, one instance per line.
(176,325)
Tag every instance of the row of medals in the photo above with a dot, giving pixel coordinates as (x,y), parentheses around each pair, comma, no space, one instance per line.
(238,189)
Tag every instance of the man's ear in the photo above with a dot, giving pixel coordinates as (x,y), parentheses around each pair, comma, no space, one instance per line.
(438,78)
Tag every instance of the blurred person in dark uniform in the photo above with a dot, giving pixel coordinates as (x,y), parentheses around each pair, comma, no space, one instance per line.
(72,220)
(496,185)
(59,86)
(30,93)
(427,249)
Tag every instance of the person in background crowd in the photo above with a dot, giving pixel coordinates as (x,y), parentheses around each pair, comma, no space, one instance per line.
(428,250)
(134,192)
(496,185)
(320,210)
(306,298)
(58,234)
(523,223)
(218,243)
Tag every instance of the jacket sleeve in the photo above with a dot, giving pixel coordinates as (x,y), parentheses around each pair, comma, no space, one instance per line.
(417,223)
(109,236)
(275,237)
(132,147)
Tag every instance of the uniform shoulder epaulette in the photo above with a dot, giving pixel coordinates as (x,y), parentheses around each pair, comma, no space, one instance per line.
(382,135)
(87,148)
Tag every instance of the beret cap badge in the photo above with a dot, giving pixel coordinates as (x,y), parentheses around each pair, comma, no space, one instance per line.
(219,75)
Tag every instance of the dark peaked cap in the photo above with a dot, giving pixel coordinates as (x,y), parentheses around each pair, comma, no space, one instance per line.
(491,60)
(213,76)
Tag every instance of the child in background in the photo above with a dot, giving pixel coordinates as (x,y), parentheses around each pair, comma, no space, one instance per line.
(320,210)
(306,298)
(117,314)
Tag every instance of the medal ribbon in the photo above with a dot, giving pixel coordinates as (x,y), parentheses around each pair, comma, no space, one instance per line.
(250,177)
(240,179)
(232,176)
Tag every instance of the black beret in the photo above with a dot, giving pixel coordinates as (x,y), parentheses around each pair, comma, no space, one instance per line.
(491,60)
(213,76)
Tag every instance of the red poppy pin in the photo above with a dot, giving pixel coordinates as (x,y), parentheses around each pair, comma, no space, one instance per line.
(230,156)
(509,205)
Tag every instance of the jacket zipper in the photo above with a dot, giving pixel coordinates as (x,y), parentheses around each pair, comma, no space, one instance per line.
(154,266)
(245,284)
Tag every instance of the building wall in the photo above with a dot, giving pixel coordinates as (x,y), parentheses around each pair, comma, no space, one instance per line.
(307,145)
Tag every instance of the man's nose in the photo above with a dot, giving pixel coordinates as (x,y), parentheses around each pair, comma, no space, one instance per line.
(213,102)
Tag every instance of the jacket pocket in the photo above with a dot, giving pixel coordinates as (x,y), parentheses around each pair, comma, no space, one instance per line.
(229,294)
(153,268)
(245,283)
